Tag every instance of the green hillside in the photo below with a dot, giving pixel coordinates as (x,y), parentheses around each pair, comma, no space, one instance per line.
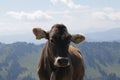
(102,60)
(18,61)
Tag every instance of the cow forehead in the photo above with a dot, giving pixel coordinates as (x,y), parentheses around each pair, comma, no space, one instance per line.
(58,30)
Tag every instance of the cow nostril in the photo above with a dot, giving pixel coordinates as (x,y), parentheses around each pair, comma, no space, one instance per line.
(60,61)
(63,62)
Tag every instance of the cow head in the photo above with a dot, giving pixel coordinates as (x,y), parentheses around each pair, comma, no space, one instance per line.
(58,43)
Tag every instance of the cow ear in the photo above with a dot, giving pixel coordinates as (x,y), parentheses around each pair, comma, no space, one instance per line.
(39,33)
(77,38)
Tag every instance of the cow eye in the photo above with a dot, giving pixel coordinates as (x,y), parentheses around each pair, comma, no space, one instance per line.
(68,39)
(52,40)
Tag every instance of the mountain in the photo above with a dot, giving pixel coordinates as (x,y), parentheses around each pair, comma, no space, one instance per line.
(109,35)
(102,60)
(18,61)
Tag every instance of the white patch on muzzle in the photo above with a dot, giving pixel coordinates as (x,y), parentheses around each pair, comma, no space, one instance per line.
(58,65)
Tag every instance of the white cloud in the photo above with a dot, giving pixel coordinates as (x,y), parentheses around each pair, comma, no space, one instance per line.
(70,4)
(99,15)
(107,14)
(30,16)
(54,1)
(114,16)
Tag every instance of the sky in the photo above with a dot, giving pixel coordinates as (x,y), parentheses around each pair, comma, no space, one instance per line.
(19,17)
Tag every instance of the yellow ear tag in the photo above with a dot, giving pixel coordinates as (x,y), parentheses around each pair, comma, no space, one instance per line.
(38,37)
(77,40)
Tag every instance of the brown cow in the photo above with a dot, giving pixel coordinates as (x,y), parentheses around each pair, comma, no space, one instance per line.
(60,60)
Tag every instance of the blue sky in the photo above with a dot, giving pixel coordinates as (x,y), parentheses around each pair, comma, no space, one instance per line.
(18,17)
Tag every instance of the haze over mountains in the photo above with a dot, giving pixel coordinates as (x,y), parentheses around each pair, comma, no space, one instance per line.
(108,35)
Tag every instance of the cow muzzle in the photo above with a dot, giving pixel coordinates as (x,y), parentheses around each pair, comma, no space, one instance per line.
(62,62)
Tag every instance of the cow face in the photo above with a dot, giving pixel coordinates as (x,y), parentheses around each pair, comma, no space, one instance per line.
(59,40)
(58,43)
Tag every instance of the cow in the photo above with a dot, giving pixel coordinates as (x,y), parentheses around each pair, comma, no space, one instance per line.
(59,59)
